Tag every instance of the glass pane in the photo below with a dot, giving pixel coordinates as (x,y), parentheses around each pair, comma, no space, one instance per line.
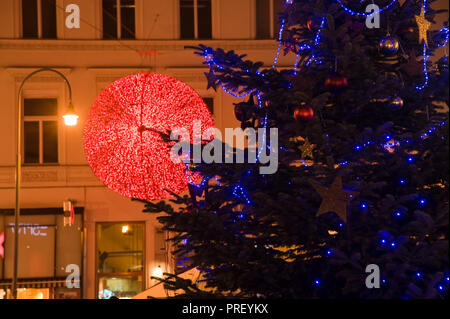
(29,19)
(277,9)
(68,245)
(119,286)
(31,142)
(120,247)
(204,19)
(187,19)
(109,19)
(49,19)
(209,101)
(50,136)
(127,16)
(262,19)
(37,239)
(40,107)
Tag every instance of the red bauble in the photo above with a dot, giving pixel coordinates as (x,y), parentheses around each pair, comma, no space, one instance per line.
(313,24)
(303,113)
(121,139)
(335,82)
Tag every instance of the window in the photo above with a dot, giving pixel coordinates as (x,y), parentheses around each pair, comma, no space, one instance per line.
(267,25)
(120,259)
(119,19)
(39,19)
(40,131)
(195,19)
(209,101)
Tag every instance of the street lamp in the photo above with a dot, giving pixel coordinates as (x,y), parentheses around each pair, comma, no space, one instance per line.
(70,119)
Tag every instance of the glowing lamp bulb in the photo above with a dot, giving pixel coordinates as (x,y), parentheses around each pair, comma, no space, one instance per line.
(125,229)
(70,118)
(157,272)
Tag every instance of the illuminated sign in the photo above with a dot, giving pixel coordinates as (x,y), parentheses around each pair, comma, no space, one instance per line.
(30,229)
(2,241)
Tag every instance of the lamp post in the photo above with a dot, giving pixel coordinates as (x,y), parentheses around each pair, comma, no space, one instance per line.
(70,119)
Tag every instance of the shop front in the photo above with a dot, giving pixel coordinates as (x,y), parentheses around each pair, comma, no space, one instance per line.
(50,254)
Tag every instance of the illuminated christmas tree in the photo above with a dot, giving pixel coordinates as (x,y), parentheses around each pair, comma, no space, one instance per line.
(362,178)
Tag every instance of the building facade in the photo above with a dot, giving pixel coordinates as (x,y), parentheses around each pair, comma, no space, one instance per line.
(111,245)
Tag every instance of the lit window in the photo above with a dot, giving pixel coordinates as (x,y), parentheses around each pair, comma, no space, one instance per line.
(39,19)
(195,19)
(119,19)
(40,131)
(120,259)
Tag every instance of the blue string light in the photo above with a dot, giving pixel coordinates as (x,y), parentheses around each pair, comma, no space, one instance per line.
(211,63)
(446,33)
(425,56)
(280,33)
(242,194)
(363,14)
(425,71)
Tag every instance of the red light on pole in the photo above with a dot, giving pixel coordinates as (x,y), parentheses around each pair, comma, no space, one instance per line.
(2,241)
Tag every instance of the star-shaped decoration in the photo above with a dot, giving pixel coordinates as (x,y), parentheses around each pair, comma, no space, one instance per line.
(413,67)
(211,80)
(335,198)
(423,26)
(307,149)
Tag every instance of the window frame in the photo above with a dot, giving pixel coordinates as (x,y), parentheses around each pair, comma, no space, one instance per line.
(273,34)
(39,21)
(119,21)
(40,119)
(143,272)
(196,25)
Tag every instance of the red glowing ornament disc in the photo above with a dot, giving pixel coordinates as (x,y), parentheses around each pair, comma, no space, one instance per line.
(121,139)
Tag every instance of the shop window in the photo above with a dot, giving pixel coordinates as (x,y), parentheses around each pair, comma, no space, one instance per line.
(46,248)
(39,19)
(195,19)
(119,18)
(120,259)
(267,24)
(40,131)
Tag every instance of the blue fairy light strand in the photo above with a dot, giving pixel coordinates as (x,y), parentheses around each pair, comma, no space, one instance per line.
(363,14)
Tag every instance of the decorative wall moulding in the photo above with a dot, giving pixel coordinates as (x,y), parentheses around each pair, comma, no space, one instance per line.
(134,45)
(42,176)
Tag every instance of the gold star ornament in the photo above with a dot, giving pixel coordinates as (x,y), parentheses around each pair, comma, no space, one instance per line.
(335,198)
(423,26)
(307,149)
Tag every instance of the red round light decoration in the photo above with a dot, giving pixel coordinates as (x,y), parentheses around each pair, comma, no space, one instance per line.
(121,139)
